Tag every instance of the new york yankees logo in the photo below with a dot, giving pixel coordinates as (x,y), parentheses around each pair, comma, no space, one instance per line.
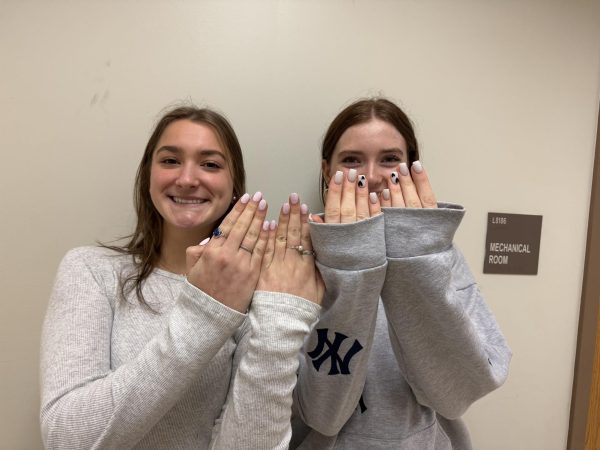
(319,355)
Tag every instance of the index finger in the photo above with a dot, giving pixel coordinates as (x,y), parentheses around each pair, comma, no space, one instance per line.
(423,186)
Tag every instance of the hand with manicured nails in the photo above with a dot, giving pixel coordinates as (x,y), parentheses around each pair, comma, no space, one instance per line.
(286,268)
(348,198)
(227,268)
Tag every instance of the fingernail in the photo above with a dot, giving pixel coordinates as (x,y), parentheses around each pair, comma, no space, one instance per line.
(386,194)
(310,218)
(245,198)
(204,241)
(303,208)
(417,166)
(373,197)
(266,225)
(403,168)
(338,177)
(272,225)
(362,181)
(352,175)
(294,198)
(262,205)
(257,196)
(286,208)
(394,177)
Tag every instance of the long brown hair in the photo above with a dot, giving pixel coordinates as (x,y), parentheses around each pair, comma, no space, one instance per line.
(362,111)
(144,243)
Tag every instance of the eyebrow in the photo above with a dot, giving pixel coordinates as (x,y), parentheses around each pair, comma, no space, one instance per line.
(178,150)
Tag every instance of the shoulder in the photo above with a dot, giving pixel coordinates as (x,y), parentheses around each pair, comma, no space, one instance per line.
(101,264)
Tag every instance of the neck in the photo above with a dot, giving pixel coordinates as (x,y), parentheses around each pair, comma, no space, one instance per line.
(173,246)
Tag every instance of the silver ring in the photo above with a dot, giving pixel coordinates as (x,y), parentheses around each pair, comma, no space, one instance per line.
(307,253)
(244,248)
(217,233)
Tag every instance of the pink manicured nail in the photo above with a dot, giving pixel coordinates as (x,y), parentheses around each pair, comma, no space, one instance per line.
(373,197)
(403,168)
(262,205)
(266,225)
(303,208)
(286,208)
(417,166)
(245,198)
(338,177)
(352,175)
(386,194)
(204,241)
(294,199)
(257,196)
(272,225)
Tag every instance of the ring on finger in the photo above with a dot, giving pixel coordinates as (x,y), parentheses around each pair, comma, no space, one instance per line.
(247,249)
(218,233)
(301,250)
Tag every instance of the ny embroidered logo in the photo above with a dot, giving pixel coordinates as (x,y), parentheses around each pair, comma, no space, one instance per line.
(339,365)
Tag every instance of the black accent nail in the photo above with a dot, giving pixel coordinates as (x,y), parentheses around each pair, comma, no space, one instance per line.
(395,178)
(362,181)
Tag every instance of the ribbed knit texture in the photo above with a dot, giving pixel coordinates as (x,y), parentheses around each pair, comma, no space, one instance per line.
(116,375)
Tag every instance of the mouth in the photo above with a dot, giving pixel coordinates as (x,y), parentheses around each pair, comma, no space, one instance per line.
(187,201)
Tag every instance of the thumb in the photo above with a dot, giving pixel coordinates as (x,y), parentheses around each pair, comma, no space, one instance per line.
(194,253)
(314,218)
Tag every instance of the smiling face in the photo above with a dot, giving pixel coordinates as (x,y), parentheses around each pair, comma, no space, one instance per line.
(373,148)
(190,179)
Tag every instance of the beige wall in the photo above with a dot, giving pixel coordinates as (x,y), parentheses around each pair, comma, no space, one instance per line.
(504,95)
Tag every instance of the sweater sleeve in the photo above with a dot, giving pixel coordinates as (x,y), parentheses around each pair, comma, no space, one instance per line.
(257,413)
(86,404)
(445,338)
(333,363)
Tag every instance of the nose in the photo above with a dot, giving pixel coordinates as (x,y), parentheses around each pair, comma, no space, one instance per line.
(187,176)
(375,177)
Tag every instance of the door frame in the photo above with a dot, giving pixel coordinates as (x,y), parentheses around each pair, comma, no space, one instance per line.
(588,317)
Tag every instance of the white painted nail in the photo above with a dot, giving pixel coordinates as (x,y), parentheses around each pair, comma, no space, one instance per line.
(386,194)
(310,218)
(362,181)
(245,198)
(403,168)
(272,225)
(373,197)
(417,166)
(286,208)
(394,177)
(352,175)
(204,241)
(256,197)
(294,199)
(303,208)
(338,177)
(262,205)
(266,225)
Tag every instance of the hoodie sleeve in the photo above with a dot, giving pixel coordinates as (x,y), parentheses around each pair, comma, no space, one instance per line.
(445,338)
(333,362)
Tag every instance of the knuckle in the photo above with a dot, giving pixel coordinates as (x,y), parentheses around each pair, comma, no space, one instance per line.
(347,211)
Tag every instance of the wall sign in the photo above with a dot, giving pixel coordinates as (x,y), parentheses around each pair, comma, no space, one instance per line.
(512,244)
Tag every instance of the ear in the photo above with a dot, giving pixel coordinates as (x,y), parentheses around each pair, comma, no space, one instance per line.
(325,170)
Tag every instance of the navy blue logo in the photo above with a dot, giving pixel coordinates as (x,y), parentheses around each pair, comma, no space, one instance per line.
(339,365)
(362,406)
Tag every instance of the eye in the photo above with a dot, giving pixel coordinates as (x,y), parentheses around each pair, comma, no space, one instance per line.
(350,161)
(391,160)
(169,161)
(212,165)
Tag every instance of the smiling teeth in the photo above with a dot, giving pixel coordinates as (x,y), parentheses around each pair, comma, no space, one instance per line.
(194,201)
